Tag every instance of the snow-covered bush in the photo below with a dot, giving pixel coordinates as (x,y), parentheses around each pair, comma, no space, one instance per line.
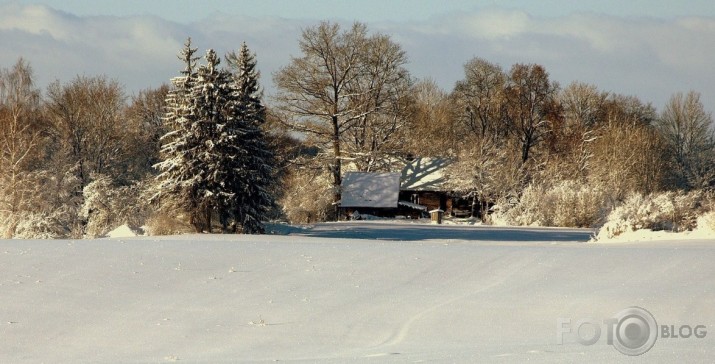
(44,225)
(106,207)
(307,198)
(707,222)
(675,211)
(97,209)
(566,203)
(48,208)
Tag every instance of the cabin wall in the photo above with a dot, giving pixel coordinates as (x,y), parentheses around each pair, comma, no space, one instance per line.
(431,199)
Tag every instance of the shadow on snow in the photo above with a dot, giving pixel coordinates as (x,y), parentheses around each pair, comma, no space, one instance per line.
(416,232)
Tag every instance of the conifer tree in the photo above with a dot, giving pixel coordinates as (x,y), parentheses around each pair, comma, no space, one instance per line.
(253,199)
(180,177)
(217,161)
(212,101)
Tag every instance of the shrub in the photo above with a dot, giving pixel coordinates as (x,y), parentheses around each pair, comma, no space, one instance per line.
(44,225)
(107,207)
(48,209)
(567,203)
(163,223)
(707,221)
(672,210)
(307,198)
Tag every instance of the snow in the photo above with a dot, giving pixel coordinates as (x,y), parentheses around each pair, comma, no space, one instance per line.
(123,231)
(641,235)
(372,190)
(704,230)
(424,174)
(346,292)
(412,205)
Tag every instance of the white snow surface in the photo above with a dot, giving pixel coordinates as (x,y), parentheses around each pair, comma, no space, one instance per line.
(371,190)
(346,292)
(123,231)
(703,231)
(642,235)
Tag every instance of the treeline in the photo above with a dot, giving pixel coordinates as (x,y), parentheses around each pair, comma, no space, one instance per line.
(81,136)
(206,153)
(534,151)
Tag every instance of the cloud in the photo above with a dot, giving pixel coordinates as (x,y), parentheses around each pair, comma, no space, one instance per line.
(61,46)
(494,25)
(138,51)
(651,58)
(37,20)
(648,57)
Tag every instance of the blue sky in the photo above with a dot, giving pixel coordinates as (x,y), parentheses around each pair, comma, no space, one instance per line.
(650,49)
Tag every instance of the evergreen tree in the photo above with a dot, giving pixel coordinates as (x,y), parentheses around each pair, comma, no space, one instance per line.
(212,101)
(180,178)
(253,200)
(245,78)
(217,161)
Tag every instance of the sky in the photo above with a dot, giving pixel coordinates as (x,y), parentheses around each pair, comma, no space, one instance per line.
(649,49)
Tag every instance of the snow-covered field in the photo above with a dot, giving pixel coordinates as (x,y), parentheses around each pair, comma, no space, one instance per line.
(347,292)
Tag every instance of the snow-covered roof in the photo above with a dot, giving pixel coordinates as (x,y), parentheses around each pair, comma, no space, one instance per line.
(424,174)
(362,189)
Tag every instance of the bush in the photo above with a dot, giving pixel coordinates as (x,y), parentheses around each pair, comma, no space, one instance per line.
(674,211)
(44,225)
(164,223)
(107,207)
(48,209)
(567,203)
(707,221)
(307,198)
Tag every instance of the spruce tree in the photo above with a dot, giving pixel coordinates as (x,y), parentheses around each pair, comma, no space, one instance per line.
(212,103)
(253,200)
(217,161)
(180,178)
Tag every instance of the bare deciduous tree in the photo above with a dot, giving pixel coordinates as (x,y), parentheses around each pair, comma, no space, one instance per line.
(382,93)
(582,105)
(431,130)
(88,126)
(628,158)
(530,98)
(20,140)
(345,79)
(579,114)
(687,128)
(480,98)
(144,118)
(315,88)
(485,171)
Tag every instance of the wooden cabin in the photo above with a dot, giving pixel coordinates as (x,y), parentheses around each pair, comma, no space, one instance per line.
(370,194)
(421,186)
(423,181)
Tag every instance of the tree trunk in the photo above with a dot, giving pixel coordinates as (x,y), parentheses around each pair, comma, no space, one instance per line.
(223,218)
(525,151)
(474,206)
(207,213)
(484,211)
(337,167)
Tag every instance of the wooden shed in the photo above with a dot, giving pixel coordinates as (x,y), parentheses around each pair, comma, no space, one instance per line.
(423,182)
